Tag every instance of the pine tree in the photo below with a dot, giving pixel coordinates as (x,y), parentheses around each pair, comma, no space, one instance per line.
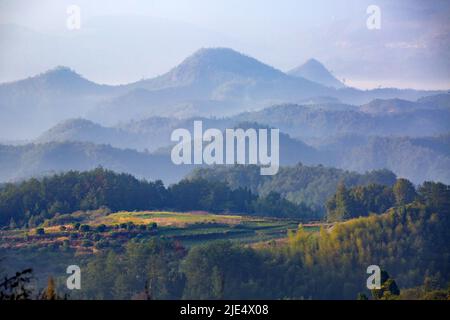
(50,291)
(404,192)
(343,204)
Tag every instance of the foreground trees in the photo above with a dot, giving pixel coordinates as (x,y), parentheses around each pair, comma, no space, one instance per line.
(410,242)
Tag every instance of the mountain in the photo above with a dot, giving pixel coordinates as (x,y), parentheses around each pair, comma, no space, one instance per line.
(213,67)
(153,134)
(315,71)
(397,106)
(58,80)
(321,121)
(222,82)
(417,159)
(143,135)
(395,134)
(32,160)
(391,106)
(83,130)
(214,82)
(438,100)
(119,48)
(31,105)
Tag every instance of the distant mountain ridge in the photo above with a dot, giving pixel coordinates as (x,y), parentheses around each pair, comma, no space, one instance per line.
(211,82)
(58,80)
(418,159)
(322,121)
(394,134)
(32,160)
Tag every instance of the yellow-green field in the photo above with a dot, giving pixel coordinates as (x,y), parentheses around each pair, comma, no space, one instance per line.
(165,218)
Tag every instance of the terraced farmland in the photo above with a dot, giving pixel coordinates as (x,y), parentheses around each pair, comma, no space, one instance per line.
(90,232)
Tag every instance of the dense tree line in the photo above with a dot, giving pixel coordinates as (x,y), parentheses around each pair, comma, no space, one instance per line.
(30,202)
(310,185)
(375,199)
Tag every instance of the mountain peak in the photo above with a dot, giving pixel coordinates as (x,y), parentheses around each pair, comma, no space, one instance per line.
(61,73)
(60,78)
(229,60)
(314,62)
(216,64)
(314,70)
(215,51)
(61,69)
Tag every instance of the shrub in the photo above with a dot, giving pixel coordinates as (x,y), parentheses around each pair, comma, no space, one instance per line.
(85,228)
(101,228)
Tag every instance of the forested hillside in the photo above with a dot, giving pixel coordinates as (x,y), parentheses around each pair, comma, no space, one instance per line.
(302,121)
(311,185)
(417,159)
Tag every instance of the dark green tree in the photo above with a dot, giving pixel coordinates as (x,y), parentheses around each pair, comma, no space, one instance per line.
(404,192)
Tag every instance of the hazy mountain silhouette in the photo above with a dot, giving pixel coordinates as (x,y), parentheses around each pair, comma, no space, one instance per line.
(417,159)
(153,134)
(31,105)
(328,120)
(441,100)
(342,136)
(31,160)
(211,82)
(390,106)
(213,66)
(217,81)
(315,71)
(87,131)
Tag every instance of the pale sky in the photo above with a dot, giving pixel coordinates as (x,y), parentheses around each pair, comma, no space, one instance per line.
(123,41)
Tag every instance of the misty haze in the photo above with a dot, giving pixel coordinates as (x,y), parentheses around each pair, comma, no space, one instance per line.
(90,95)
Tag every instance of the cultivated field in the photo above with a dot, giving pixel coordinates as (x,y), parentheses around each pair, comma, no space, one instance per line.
(89,232)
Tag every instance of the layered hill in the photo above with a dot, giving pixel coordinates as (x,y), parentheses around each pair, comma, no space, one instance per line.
(211,82)
(32,160)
